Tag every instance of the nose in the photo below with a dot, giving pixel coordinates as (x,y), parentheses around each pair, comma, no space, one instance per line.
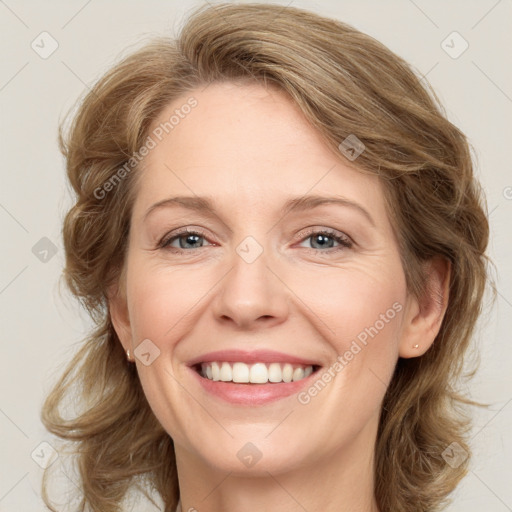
(251,295)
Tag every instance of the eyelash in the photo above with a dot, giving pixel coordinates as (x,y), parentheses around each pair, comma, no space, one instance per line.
(344,241)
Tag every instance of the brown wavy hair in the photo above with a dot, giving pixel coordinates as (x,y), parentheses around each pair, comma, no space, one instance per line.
(345,82)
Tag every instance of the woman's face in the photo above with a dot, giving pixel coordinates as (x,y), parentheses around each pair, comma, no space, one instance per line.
(269,283)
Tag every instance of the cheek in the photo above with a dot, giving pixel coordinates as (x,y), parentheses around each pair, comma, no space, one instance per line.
(359,313)
(162,300)
(345,304)
(355,303)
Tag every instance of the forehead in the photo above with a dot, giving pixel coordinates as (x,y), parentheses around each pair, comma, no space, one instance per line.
(249,147)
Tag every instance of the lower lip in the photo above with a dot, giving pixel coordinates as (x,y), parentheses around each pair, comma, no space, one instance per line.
(252,394)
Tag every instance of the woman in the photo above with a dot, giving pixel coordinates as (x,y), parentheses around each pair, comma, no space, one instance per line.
(282,242)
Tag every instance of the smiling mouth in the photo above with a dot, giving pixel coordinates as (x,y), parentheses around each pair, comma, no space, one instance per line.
(257,373)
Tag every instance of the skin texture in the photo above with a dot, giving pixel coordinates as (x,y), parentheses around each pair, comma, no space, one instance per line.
(249,150)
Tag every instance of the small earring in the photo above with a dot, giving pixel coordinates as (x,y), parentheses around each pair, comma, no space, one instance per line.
(416,346)
(128,356)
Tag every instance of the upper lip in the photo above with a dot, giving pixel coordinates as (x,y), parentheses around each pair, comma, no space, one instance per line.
(250,357)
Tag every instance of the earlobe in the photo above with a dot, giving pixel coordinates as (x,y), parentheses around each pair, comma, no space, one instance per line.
(424,316)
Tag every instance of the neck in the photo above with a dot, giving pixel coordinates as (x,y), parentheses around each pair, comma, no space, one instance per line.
(341,481)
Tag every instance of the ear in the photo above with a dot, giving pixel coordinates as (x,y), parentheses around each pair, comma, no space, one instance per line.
(424,316)
(118,308)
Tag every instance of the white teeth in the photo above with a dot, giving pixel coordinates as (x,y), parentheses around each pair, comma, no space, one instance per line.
(215,371)
(287,373)
(240,372)
(298,374)
(226,374)
(274,372)
(258,373)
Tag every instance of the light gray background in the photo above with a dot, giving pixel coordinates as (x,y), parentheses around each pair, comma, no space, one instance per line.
(41,327)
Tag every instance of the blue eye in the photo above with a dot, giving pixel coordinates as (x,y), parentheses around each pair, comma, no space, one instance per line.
(184,238)
(189,239)
(325,239)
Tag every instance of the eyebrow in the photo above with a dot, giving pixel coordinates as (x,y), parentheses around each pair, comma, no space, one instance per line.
(307,202)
